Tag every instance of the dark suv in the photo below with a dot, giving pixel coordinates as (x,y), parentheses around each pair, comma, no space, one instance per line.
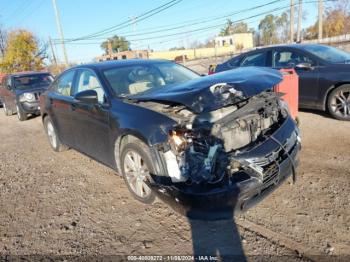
(324,73)
(20,93)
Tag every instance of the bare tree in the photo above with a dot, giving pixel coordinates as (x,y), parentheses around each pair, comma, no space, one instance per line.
(3,41)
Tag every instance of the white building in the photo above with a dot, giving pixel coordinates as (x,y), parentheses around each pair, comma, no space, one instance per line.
(244,40)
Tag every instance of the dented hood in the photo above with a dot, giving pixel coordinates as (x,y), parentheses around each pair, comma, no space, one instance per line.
(199,96)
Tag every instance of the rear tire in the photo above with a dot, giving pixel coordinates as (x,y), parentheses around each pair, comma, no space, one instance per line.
(338,103)
(51,133)
(22,116)
(136,166)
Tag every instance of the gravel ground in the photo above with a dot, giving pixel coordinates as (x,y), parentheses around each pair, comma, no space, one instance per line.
(66,204)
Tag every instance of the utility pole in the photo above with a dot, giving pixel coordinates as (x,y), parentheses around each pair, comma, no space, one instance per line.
(60,31)
(320,19)
(300,17)
(291,21)
(52,51)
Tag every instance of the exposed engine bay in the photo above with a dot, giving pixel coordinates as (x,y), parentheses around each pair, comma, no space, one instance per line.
(201,146)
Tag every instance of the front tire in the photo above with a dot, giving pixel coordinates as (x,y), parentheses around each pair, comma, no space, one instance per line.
(22,116)
(136,166)
(51,133)
(7,111)
(339,103)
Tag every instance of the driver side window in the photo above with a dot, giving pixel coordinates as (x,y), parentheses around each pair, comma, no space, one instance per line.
(87,80)
(63,84)
(289,59)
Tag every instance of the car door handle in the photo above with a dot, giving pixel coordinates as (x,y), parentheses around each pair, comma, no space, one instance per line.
(73,106)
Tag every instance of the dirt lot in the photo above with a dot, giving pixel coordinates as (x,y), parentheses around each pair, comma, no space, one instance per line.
(65,203)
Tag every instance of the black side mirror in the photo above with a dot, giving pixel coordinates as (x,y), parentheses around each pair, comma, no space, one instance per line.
(9,87)
(87,96)
(304,66)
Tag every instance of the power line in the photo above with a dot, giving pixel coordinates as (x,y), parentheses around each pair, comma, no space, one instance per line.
(128,22)
(16,14)
(201,21)
(32,11)
(218,25)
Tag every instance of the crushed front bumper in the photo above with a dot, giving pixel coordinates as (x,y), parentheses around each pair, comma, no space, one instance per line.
(242,190)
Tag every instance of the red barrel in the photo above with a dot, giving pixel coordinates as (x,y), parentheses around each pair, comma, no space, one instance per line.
(290,87)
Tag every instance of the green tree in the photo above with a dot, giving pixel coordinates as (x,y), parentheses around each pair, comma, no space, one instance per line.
(234,28)
(274,29)
(23,52)
(268,30)
(282,23)
(118,44)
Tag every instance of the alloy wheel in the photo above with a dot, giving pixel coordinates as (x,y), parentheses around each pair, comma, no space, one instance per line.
(18,113)
(51,134)
(340,103)
(136,172)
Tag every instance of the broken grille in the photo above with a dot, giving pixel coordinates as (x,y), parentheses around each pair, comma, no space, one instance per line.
(270,173)
(37,95)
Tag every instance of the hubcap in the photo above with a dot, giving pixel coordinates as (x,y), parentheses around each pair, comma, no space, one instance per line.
(51,134)
(18,113)
(340,103)
(136,171)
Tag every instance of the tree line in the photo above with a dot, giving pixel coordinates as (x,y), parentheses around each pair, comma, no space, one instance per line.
(20,50)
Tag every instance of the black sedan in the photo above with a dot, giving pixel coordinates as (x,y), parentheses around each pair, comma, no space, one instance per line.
(324,73)
(209,145)
(20,93)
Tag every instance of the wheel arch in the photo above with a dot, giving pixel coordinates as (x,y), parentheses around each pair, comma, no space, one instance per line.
(121,140)
(43,116)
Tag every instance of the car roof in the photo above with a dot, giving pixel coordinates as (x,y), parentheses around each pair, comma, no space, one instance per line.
(118,63)
(296,46)
(28,73)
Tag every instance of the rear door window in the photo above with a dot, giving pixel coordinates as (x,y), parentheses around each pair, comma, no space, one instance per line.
(234,61)
(289,59)
(256,59)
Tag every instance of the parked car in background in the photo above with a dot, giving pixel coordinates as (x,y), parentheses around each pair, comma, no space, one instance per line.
(1,77)
(20,93)
(181,59)
(205,145)
(324,73)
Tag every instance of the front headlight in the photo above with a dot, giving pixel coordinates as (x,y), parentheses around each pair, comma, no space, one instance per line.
(27,97)
(284,105)
(177,141)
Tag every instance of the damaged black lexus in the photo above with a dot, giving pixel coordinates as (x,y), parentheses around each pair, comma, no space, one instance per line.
(209,146)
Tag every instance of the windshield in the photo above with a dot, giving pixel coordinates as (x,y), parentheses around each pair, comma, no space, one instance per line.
(135,79)
(32,81)
(328,53)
